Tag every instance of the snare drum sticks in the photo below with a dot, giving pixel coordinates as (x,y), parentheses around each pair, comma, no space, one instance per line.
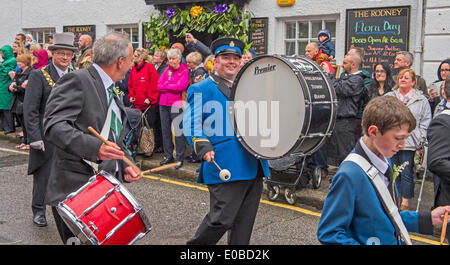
(126,160)
(444,228)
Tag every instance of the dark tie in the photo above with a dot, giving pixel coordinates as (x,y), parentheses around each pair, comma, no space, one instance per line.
(116,125)
(389,173)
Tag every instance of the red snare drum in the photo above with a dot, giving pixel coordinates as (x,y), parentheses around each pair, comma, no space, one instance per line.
(103,212)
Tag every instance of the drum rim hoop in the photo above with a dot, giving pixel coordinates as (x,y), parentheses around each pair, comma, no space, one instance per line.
(67,213)
(307,100)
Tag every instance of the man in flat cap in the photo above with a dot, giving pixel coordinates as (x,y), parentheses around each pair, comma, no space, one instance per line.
(233,202)
(40,84)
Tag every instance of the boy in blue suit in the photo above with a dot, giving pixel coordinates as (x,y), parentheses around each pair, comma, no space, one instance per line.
(353,213)
(207,127)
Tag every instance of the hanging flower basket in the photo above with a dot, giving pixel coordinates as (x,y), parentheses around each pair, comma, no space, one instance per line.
(224,20)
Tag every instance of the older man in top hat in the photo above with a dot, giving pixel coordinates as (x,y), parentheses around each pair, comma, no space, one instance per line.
(233,202)
(40,84)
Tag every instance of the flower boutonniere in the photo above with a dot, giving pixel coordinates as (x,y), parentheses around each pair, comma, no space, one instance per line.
(117,92)
(398,170)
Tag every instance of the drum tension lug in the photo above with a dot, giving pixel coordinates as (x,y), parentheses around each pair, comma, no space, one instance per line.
(91,224)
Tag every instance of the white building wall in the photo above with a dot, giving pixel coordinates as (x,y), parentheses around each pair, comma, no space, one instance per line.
(32,14)
(436,37)
(10,19)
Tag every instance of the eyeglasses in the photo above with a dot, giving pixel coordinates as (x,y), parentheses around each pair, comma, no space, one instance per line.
(445,70)
(64,54)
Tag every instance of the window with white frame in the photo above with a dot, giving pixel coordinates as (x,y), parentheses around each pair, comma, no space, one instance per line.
(298,33)
(131,30)
(41,36)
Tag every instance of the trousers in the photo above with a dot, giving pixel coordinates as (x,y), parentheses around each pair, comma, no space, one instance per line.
(344,137)
(172,118)
(233,208)
(40,180)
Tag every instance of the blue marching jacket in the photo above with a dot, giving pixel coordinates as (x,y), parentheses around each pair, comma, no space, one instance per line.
(354,215)
(207,126)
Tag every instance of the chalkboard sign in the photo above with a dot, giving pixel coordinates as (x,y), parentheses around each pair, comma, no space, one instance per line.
(80,30)
(382,32)
(259,36)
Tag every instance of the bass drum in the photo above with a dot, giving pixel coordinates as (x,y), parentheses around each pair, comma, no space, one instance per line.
(282,106)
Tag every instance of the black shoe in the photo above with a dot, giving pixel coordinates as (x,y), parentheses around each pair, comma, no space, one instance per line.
(192,160)
(167,161)
(40,220)
(158,150)
(180,164)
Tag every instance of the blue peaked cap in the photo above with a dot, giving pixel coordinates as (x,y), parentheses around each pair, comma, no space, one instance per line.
(227,45)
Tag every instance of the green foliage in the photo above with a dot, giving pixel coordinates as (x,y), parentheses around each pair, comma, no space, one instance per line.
(232,22)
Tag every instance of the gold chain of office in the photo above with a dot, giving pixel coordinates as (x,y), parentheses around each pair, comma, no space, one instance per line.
(48,78)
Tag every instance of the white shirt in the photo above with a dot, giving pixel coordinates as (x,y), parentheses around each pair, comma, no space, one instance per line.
(59,71)
(230,81)
(381,164)
(107,82)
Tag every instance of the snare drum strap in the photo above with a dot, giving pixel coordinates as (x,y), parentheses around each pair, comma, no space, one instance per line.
(383,194)
(221,85)
(104,133)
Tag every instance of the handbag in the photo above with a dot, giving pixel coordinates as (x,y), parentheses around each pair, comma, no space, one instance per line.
(147,138)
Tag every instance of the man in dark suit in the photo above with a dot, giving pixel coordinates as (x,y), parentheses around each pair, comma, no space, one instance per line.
(40,84)
(82,99)
(439,152)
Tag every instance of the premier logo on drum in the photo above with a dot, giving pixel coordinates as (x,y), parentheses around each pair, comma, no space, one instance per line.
(268,68)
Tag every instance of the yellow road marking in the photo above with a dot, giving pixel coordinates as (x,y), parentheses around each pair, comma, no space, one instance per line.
(285,206)
(425,240)
(10,243)
(176,182)
(291,207)
(13,151)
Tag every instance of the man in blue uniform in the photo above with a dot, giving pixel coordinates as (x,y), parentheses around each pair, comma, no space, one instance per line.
(206,124)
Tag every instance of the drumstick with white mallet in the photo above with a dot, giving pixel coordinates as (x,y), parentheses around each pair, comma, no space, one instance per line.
(224,174)
(126,160)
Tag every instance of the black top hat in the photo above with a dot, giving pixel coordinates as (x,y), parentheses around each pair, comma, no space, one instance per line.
(227,46)
(63,41)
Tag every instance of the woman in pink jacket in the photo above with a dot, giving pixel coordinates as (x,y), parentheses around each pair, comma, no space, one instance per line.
(171,84)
